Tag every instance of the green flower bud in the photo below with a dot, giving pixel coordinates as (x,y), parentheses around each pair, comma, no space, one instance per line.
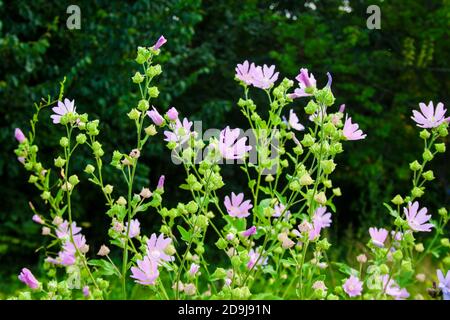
(165,230)
(406,266)
(320,198)
(440,147)
(398,255)
(443,132)
(311,107)
(328,166)
(138,78)
(81,138)
(200,249)
(294,185)
(308,140)
(143,105)
(73,179)
(306,180)
(446,261)
(398,200)
(202,221)
(235,261)
(409,237)
(337,192)
(332,297)
(153,92)
(59,162)
(108,189)
(417,192)
(415,166)
(134,114)
(269,178)
(427,155)
(298,150)
(33,179)
(445,242)
(150,130)
(192,207)
(46,195)
(419,247)
(89,169)
(443,212)
(329,128)
(429,175)
(221,243)
(424,134)
(64,142)
(336,148)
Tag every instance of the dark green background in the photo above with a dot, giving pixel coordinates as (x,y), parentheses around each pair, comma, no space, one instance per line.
(381,75)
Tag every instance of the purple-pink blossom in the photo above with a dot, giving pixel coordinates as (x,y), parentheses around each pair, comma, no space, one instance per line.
(146,271)
(18,134)
(280,209)
(244,72)
(28,278)
(444,283)
(264,77)
(155,116)
(194,269)
(351,130)
(161,41)
(62,109)
(390,287)
(86,291)
(63,229)
(180,131)
(417,219)
(256,259)
(172,114)
(229,145)
(321,218)
(135,229)
(156,247)
(378,236)
(249,232)
(428,117)
(353,286)
(293,121)
(161,180)
(237,207)
(37,218)
(306,83)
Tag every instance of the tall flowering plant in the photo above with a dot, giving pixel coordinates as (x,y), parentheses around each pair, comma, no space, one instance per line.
(272,233)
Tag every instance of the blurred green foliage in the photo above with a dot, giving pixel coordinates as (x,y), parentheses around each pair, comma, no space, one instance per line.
(380,75)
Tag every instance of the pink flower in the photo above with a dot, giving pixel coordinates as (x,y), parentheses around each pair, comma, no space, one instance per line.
(230,148)
(351,130)
(342,108)
(28,278)
(62,109)
(18,134)
(146,271)
(21,160)
(353,286)
(279,210)
(63,230)
(156,247)
(444,283)
(237,207)
(306,228)
(161,41)
(429,117)
(417,219)
(161,180)
(378,236)
(193,269)
(244,72)
(294,122)
(79,242)
(155,116)
(181,131)
(255,259)
(390,287)
(37,218)
(172,114)
(264,77)
(321,218)
(249,232)
(86,291)
(134,228)
(306,83)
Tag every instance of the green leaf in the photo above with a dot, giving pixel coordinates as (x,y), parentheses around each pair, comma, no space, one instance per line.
(345,269)
(104,267)
(185,235)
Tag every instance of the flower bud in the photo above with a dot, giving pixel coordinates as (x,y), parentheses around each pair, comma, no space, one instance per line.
(150,130)
(221,243)
(269,178)
(428,175)
(420,277)
(445,242)
(320,198)
(306,180)
(135,153)
(73,179)
(46,231)
(417,192)
(138,78)
(57,220)
(145,193)
(64,142)
(153,92)
(398,255)
(443,132)
(427,155)
(443,212)
(308,140)
(192,207)
(406,266)
(108,189)
(384,269)
(172,114)
(33,179)
(362,258)
(415,166)
(337,192)
(398,200)
(311,107)
(419,247)
(190,289)
(440,147)
(121,201)
(104,251)
(424,134)
(67,186)
(89,169)
(134,114)
(46,195)
(143,105)
(328,166)
(81,138)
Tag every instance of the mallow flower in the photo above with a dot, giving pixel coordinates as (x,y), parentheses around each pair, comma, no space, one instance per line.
(181,131)
(293,121)
(146,271)
(156,117)
(264,77)
(62,109)
(62,232)
(378,236)
(160,185)
(249,232)
(135,229)
(28,278)
(18,134)
(306,84)
(280,209)
(444,283)
(255,259)
(353,286)
(428,117)
(229,145)
(417,219)
(244,72)
(351,130)
(172,114)
(236,207)
(390,287)
(161,41)
(321,218)
(156,247)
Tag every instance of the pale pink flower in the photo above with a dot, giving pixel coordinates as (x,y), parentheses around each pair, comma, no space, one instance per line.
(181,131)
(353,286)
(146,271)
(429,117)
(305,81)
(37,218)
(390,287)
(62,109)
(18,134)
(237,207)
(321,218)
(161,41)
(230,148)
(351,130)
(172,114)
(161,180)
(156,247)
(249,232)
(306,228)
(444,283)
(244,72)
(135,229)
(342,108)
(28,278)
(264,77)
(21,160)
(63,229)
(194,269)
(155,116)
(293,121)
(417,219)
(79,242)
(255,259)
(280,209)
(86,291)
(378,236)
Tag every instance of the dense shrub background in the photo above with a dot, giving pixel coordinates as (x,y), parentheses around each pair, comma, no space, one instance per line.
(379,74)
